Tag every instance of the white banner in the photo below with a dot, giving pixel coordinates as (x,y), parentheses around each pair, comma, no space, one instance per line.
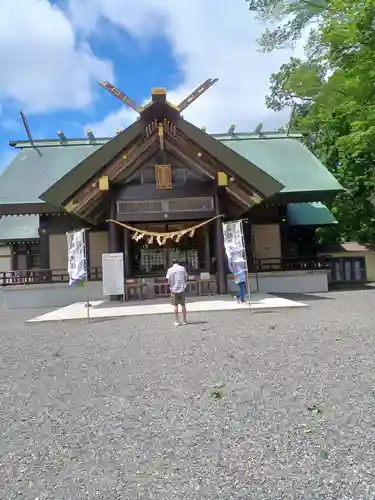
(76,256)
(113,273)
(235,248)
(234,240)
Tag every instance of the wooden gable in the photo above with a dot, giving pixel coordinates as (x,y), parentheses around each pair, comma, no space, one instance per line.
(181,173)
(120,159)
(140,197)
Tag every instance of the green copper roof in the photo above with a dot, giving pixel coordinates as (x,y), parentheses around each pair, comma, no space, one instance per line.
(287,160)
(23,227)
(262,182)
(309,214)
(282,157)
(89,165)
(243,167)
(31,173)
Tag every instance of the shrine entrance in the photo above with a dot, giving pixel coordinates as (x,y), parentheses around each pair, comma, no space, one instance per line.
(148,258)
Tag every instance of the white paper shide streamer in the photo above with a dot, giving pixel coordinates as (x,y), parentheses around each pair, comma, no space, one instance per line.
(76,256)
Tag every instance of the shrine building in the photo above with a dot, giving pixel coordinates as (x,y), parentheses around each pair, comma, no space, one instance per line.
(163,174)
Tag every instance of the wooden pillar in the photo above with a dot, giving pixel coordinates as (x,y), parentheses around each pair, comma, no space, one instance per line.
(13,257)
(248,237)
(28,256)
(207,250)
(127,256)
(220,251)
(112,228)
(87,253)
(113,243)
(44,246)
(284,232)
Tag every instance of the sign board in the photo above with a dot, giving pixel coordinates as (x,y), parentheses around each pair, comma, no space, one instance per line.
(205,276)
(113,273)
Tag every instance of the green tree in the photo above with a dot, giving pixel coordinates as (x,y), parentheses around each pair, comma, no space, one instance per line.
(290,18)
(335,95)
(297,81)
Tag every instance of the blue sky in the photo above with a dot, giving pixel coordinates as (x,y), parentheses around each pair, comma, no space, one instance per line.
(136,72)
(56,51)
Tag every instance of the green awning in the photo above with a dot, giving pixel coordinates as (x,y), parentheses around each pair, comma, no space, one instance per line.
(309,214)
(23,227)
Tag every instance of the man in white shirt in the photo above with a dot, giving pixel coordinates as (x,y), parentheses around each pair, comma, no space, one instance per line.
(177,277)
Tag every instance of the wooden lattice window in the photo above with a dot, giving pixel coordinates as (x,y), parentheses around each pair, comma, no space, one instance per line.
(191,204)
(163,176)
(139,207)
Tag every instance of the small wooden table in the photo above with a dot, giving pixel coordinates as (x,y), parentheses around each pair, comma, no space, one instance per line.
(208,284)
(161,287)
(133,286)
(191,287)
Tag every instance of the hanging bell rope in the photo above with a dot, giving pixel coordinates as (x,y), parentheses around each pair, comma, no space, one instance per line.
(162,238)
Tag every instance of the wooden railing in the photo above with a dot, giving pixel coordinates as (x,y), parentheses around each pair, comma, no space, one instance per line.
(40,276)
(290,264)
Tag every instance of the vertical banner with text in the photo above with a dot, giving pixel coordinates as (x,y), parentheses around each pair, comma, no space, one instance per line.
(77,268)
(234,243)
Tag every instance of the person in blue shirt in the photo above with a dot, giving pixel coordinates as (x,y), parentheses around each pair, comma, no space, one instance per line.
(238,268)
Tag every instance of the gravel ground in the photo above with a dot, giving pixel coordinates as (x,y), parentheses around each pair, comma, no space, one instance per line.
(277,405)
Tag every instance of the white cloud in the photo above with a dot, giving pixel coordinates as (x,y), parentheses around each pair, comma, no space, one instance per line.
(42,65)
(107,127)
(209,38)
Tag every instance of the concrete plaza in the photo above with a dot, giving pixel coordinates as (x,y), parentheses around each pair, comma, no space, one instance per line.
(100,309)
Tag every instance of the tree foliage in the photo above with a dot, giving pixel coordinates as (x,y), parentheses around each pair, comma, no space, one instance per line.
(290,18)
(297,81)
(334,93)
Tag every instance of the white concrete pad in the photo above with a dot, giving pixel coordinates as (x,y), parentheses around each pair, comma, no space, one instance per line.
(79,310)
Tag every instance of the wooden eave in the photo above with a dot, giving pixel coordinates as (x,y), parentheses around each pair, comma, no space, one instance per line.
(241,197)
(193,155)
(28,209)
(87,201)
(84,202)
(73,181)
(78,191)
(304,196)
(15,241)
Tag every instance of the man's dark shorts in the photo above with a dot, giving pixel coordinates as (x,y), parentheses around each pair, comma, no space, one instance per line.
(178,299)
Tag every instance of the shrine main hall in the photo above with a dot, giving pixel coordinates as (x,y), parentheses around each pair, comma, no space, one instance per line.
(164,175)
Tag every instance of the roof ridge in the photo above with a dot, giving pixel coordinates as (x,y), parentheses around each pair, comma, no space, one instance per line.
(56,142)
(86,141)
